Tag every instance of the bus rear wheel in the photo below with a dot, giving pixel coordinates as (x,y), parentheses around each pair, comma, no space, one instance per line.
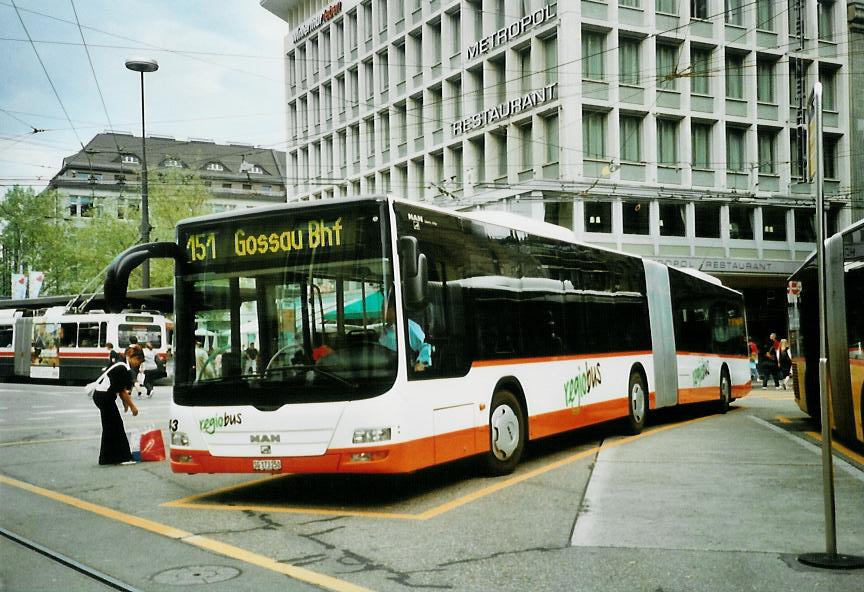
(637,402)
(506,434)
(725,390)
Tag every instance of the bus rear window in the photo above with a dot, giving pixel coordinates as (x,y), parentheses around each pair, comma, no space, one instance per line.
(144,334)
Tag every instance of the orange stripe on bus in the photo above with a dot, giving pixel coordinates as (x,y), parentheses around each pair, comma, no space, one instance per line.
(544,359)
(698,394)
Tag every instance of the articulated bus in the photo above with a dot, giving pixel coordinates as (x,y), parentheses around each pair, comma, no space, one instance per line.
(70,347)
(844,273)
(508,331)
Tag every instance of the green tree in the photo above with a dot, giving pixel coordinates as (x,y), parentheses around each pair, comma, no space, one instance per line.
(73,253)
(173,196)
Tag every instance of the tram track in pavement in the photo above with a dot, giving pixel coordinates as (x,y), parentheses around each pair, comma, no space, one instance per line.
(92,573)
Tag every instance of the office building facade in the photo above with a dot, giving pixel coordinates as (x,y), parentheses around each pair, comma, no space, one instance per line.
(667,128)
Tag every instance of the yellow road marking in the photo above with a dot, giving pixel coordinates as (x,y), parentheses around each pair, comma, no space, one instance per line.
(783,419)
(298,573)
(839,447)
(190,502)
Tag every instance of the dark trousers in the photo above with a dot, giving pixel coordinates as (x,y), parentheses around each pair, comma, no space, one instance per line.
(770,370)
(115,446)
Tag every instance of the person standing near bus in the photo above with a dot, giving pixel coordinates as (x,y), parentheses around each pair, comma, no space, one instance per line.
(117,381)
(784,360)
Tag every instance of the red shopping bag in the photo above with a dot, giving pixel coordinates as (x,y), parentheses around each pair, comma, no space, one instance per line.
(152,446)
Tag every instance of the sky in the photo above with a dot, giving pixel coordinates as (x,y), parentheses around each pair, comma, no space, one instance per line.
(220,76)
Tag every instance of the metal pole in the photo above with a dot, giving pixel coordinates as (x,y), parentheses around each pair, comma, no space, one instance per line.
(829,559)
(145,211)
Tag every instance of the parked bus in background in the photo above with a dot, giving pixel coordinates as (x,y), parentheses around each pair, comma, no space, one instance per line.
(844,273)
(392,336)
(71,347)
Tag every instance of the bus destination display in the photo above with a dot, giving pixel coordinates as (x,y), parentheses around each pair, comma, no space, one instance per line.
(262,239)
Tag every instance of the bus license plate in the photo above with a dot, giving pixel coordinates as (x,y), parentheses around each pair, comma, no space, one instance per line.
(269,464)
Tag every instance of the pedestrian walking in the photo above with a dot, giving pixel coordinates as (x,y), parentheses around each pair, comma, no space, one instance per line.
(768,363)
(116,381)
(784,362)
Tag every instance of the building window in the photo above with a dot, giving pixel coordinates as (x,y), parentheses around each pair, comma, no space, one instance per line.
(667,142)
(550,55)
(215,166)
(247,186)
(81,206)
(805,226)
(551,144)
(666,6)
(635,217)
(527,147)
(256,170)
(736,154)
(773,224)
(700,81)
(829,91)
(630,137)
(226,185)
(741,222)
(765,81)
(829,156)
(598,216)
(796,158)
(667,66)
(129,159)
(499,89)
(767,156)
(383,72)
(734,76)
(699,9)
(628,60)
(593,50)
(734,12)
(629,3)
(673,220)
(525,69)
(455,19)
(501,152)
(593,134)
(700,136)
(707,220)
(765,15)
(825,13)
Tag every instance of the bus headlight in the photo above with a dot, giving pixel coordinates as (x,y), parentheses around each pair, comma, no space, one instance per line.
(179,439)
(367,435)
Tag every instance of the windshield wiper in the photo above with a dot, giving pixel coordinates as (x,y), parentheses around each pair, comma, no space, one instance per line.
(317,370)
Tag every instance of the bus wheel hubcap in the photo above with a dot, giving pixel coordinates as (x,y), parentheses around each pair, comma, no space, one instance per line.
(505,432)
(637,402)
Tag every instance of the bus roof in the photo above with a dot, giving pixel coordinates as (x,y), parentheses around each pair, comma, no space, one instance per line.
(855,226)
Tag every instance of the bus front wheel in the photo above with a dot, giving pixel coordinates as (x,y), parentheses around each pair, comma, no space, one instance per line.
(506,434)
(637,401)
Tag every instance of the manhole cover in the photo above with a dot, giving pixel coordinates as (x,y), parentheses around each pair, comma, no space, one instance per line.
(196,574)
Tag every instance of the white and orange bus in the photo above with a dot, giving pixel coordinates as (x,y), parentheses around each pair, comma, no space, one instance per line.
(844,272)
(57,345)
(508,331)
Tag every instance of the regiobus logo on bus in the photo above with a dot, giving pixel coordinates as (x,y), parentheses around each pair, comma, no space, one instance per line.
(580,385)
(209,425)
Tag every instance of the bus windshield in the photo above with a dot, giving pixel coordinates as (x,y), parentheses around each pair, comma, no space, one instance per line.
(268,326)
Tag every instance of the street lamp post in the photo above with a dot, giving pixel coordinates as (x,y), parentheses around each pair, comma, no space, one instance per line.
(143,65)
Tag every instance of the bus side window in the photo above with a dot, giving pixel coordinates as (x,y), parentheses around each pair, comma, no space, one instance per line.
(68,334)
(103,334)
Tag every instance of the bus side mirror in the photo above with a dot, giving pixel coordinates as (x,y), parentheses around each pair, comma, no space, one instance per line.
(415,272)
(408,256)
(117,275)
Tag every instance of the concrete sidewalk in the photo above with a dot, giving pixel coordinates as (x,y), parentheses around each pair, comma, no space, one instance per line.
(734,484)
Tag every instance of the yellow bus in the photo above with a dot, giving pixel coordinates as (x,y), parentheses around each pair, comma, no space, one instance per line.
(844,265)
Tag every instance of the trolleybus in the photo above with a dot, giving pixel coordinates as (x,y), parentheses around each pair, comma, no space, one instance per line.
(508,331)
(71,347)
(844,273)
